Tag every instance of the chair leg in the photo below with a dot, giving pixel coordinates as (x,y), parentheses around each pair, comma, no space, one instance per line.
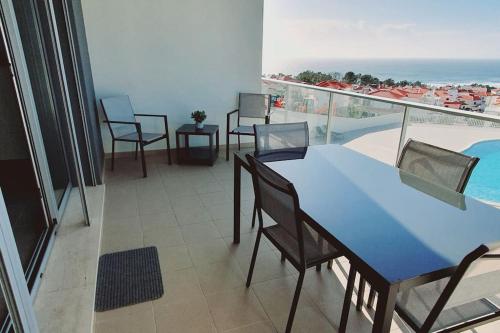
(371,298)
(144,171)
(227,146)
(330,264)
(347,300)
(361,291)
(113,155)
(239,142)
(254,215)
(254,257)
(318,268)
(136,149)
(168,151)
(295,302)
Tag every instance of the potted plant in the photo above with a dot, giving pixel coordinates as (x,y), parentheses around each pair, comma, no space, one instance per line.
(199,116)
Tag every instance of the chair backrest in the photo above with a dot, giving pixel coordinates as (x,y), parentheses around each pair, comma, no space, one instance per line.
(119,108)
(254,105)
(475,279)
(277,197)
(281,136)
(437,165)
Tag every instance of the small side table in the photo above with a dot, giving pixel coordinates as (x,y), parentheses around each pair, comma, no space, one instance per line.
(206,155)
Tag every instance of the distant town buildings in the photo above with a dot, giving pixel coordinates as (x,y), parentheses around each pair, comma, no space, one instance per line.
(468,97)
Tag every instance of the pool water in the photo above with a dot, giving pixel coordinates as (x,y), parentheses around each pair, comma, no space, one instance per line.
(484,182)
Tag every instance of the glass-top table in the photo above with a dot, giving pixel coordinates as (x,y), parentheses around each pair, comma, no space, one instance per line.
(396,229)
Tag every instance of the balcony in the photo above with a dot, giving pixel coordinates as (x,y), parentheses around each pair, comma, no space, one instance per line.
(186,212)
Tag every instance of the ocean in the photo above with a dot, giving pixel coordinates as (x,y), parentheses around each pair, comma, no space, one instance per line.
(430,71)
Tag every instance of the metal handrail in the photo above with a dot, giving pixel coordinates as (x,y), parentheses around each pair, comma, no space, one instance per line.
(406,104)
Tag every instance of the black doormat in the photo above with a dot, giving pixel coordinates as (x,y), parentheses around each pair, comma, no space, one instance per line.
(128,277)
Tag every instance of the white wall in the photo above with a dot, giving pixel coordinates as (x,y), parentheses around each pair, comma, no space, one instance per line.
(175,56)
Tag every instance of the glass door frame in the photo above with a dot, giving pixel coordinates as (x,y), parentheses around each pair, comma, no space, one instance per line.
(32,125)
(12,279)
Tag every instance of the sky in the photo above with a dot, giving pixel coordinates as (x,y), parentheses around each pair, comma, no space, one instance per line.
(325,29)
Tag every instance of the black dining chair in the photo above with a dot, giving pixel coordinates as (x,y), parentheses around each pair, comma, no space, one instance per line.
(299,243)
(460,302)
(279,136)
(433,164)
(250,106)
(123,126)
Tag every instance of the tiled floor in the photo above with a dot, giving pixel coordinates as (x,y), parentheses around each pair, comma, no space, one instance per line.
(186,212)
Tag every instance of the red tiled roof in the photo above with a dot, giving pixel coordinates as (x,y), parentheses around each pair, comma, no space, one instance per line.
(334,84)
(393,93)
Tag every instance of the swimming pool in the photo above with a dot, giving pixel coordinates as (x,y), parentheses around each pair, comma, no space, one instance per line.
(484,182)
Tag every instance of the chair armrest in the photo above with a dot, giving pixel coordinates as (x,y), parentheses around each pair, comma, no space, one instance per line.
(136,124)
(122,122)
(228,120)
(150,115)
(164,116)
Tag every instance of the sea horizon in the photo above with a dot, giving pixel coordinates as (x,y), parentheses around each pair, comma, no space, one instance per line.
(436,72)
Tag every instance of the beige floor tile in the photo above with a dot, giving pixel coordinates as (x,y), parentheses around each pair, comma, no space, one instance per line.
(121,205)
(226,226)
(199,233)
(126,239)
(180,286)
(215,198)
(164,237)
(125,311)
(235,308)
(264,327)
(244,249)
(247,207)
(276,296)
(186,317)
(268,266)
(139,321)
(160,219)
(191,215)
(221,211)
(175,189)
(306,320)
(219,276)
(186,201)
(173,258)
(156,204)
(208,187)
(209,252)
(113,225)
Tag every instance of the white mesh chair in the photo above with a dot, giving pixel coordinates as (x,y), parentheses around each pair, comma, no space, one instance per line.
(252,107)
(299,243)
(123,126)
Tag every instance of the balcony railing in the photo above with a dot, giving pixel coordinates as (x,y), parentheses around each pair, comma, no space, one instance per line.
(376,126)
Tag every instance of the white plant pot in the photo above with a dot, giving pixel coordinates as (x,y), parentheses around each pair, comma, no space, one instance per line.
(199,126)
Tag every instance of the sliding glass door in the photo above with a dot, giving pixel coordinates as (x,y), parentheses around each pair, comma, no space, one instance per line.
(46,86)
